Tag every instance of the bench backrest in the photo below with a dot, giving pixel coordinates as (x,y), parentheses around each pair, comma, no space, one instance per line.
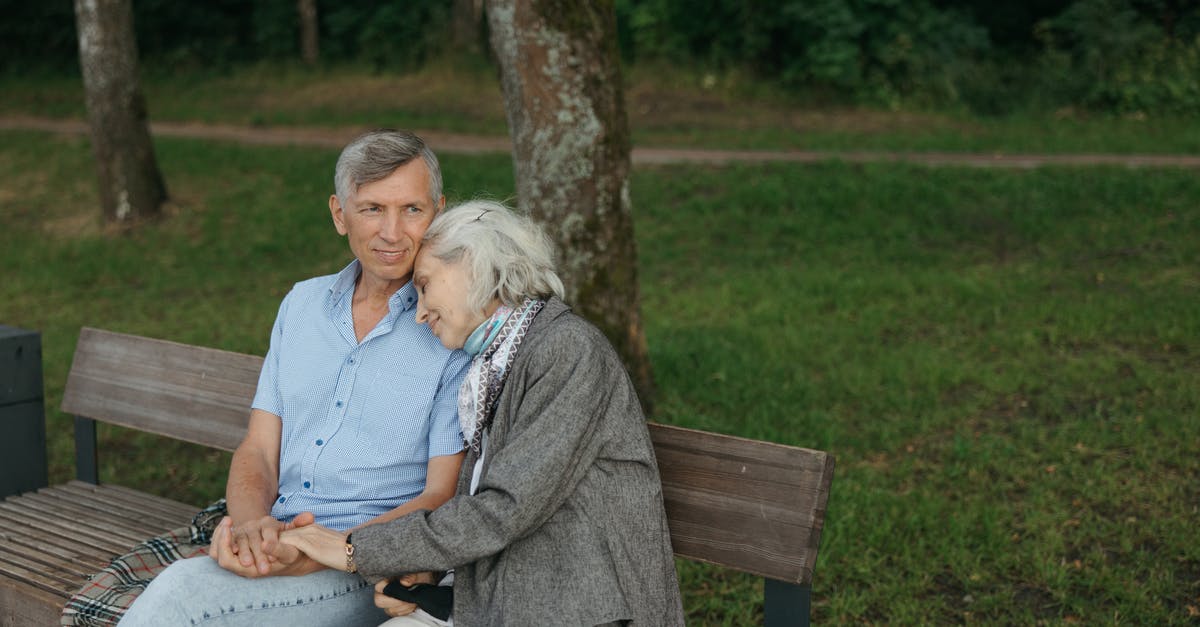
(753,506)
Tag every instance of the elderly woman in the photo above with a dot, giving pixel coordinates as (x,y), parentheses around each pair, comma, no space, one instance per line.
(558,519)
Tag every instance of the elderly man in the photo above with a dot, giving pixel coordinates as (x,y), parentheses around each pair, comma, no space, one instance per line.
(354,419)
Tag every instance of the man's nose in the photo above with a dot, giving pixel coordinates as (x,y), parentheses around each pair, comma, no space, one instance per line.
(390,230)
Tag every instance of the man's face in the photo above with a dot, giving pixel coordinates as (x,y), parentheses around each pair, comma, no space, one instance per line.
(384,222)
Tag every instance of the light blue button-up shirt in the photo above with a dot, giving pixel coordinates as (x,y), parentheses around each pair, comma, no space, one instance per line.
(360,420)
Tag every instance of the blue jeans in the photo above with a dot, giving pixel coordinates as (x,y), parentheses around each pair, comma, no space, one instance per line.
(198,591)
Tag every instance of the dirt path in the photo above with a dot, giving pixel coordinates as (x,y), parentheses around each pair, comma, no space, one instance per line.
(453,143)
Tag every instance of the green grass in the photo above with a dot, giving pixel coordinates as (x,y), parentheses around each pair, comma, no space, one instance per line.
(665,107)
(1005,364)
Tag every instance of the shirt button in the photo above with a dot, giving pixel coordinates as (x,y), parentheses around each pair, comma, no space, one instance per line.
(338,404)
(320,442)
(351,360)
(282,499)
(307,484)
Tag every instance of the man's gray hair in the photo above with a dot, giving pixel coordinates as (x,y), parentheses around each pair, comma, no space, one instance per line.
(508,256)
(374,155)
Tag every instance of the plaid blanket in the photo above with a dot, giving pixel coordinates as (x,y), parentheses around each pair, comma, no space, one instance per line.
(105,597)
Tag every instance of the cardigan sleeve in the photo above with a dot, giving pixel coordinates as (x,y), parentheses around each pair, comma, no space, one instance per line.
(553,437)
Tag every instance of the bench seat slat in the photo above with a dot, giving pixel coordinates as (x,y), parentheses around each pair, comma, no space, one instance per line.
(57,537)
(103,526)
(36,575)
(24,604)
(45,565)
(165,508)
(41,549)
(119,507)
(18,515)
(114,521)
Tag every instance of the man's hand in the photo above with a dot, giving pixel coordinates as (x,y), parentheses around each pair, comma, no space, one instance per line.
(395,607)
(259,555)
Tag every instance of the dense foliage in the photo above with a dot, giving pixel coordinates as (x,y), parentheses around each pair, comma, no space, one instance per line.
(1115,55)
(1122,56)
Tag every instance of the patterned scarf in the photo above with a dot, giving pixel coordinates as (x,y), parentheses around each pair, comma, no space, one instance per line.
(485,379)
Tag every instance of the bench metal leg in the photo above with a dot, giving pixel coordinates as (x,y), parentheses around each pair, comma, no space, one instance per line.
(785,604)
(87,465)
(22,412)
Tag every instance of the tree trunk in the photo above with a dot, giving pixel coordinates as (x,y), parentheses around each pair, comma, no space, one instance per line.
(309,51)
(562,90)
(131,187)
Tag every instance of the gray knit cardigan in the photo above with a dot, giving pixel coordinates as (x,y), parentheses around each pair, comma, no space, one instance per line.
(567,526)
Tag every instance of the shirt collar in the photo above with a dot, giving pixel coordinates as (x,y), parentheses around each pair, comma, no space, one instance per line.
(404,299)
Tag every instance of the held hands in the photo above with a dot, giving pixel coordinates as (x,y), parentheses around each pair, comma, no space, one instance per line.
(320,544)
(328,547)
(252,549)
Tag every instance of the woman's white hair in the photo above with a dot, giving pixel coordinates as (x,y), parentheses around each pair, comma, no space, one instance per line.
(508,256)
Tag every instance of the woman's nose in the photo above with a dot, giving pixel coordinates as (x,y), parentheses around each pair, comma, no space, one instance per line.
(422,313)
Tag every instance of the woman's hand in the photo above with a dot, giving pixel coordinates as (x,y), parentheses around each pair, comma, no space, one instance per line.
(395,607)
(324,545)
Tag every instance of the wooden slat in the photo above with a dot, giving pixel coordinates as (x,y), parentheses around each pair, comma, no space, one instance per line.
(22,604)
(35,576)
(124,506)
(190,393)
(753,506)
(35,510)
(53,574)
(167,505)
(49,552)
(113,521)
(16,515)
(166,508)
(20,531)
(117,512)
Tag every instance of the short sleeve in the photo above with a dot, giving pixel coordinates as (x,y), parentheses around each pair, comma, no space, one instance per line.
(445,434)
(267,397)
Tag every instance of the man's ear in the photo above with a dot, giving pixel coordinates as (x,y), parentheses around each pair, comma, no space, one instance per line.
(335,210)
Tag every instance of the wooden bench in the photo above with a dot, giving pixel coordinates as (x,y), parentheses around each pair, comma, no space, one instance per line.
(753,506)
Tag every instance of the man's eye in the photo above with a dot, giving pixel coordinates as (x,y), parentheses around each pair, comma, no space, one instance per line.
(414,209)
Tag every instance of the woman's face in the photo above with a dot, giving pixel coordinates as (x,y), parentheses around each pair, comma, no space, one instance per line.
(442,300)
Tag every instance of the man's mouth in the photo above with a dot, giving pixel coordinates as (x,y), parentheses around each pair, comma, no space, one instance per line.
(391,256)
